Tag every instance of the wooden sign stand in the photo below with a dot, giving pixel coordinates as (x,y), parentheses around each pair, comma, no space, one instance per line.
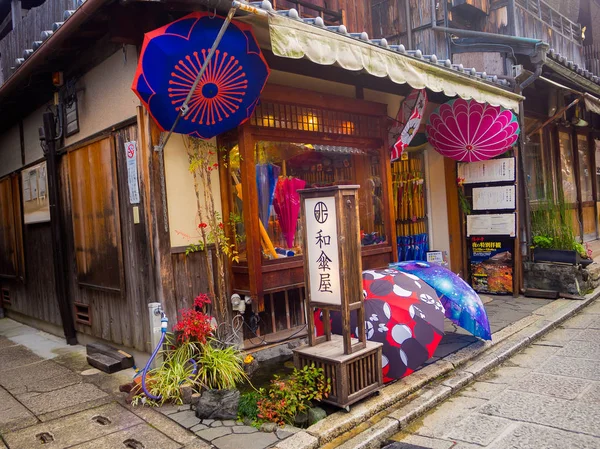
(333,275)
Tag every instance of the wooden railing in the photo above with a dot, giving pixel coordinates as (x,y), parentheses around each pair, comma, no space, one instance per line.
(551,17)
(28,30)
(591,53)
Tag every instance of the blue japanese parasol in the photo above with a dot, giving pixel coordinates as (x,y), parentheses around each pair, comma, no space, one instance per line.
(228,91)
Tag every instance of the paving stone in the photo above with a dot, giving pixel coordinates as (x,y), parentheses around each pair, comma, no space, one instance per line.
(15,356)
(588,334)
(581,349)
(458,379)
(533,356)
(212,433)
(416,407)
(419,442)
(483,390)
(217,423)
(228,422)
(373,436)
(567,366)
(437,424)
(286,431)
(591,394)
(168,409)
(208,422)
(186,418)
(547,384)
(580,321)
(77,428)
(301,440)
(258,440)
(5,342)
(477,428)
(13,415)
(505,375)
(559,337)
(63,399)
(244,429)
(527,436)
(528,407)
(143,434)
(583,417)
(198,427)
(38,378)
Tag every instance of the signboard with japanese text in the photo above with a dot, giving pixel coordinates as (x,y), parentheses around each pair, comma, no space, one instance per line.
(491,264)
(493,170)
(322,250)
(492,224)
(494,198)
(132,172)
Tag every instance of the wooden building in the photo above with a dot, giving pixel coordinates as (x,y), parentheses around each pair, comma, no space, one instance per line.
(322,119)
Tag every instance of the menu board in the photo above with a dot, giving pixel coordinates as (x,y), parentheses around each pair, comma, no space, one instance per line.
(494,170)
(493,224)
(486,198)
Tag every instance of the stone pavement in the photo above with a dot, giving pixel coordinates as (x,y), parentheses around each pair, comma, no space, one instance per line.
(228,434)
(545,397)
(50,396)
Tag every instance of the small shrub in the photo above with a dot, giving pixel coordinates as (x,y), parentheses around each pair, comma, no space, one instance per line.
(248,406)
(284,399)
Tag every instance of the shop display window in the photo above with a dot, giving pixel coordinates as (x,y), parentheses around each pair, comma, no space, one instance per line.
(567,167)
(585,168)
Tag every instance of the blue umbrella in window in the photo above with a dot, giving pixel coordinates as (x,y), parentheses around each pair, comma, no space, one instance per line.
(228,90)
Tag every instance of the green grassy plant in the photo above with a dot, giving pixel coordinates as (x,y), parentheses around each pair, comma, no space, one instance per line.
(248,406)
(220,368)
(551,225)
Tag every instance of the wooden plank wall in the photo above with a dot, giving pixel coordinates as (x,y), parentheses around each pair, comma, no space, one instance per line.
(120,317)
(35,295)
(29,29)
(190,277)
(389,21)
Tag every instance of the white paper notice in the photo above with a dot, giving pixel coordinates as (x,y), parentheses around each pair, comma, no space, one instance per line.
(495,224)
(494,170)
(26,187)
(322,250)
(487,198)
(132,172)
(33,184)
(43,181)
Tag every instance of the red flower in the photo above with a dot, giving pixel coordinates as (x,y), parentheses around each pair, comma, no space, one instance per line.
(202,225)
(215,165)
(194,326)
(221,225)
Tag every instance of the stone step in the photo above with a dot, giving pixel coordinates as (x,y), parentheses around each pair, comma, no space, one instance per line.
(104,363)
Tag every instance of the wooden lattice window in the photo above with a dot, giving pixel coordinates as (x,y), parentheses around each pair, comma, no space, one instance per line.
(95,215)
(11,241)
(318,120)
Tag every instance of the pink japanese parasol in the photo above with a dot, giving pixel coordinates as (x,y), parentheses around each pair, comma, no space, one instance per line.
(286,202)
(470,131)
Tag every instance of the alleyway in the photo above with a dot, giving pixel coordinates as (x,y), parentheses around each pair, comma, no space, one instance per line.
(49,397)
(546,397)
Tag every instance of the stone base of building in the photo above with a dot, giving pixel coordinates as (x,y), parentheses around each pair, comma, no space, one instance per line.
(562,278)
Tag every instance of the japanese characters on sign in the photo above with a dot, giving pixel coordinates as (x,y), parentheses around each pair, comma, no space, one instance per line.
(132,172)
(494,170)
(322,250)
(488,198)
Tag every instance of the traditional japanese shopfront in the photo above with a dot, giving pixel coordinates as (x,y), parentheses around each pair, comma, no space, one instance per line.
(324,119)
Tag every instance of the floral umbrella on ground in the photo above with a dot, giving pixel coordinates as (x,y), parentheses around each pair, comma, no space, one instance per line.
(469,131)
(403,313)
(228,91)
(462,305)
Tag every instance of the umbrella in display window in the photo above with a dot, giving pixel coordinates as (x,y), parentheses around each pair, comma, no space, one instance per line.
(403,313)
(462,305)
(226,95)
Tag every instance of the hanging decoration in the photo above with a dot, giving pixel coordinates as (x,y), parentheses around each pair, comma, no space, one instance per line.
(408,121)
(469,131)
(228,90)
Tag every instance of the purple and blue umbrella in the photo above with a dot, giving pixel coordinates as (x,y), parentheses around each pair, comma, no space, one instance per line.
(266,179)
(229,89)
(461,304)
